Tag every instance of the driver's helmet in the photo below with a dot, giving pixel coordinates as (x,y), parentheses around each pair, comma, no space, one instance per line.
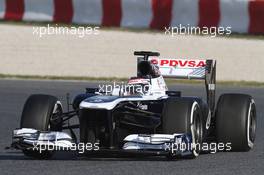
(137,86)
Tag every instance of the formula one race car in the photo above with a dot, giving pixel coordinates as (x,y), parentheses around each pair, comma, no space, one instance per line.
(141,117)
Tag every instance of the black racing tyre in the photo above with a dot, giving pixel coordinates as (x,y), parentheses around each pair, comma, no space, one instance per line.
(183,115)
(41,112)
(236,121)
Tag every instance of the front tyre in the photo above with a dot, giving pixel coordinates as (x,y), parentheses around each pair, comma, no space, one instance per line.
(182,115)
(236,121)
(41,112)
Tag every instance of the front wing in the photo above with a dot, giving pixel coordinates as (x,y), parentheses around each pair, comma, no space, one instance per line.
(141,144)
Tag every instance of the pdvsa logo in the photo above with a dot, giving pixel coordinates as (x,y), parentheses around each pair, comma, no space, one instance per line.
(181,63)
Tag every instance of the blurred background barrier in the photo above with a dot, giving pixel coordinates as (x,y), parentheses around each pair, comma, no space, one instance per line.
(243,16)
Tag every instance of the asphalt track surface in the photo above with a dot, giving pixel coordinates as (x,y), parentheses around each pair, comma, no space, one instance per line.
(13,94)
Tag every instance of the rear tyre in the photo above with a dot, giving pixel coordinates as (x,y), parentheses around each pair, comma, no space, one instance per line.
(182,115)
(41,112)
(236,121)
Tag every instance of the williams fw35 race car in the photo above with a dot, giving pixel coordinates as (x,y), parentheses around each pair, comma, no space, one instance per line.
(141,117)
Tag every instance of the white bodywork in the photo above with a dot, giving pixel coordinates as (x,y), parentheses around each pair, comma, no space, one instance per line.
(172,143)
(36,138)
(178,68)
(156,91)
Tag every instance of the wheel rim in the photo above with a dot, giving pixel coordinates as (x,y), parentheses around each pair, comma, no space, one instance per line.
(251,126)
(55,119)
(196,129)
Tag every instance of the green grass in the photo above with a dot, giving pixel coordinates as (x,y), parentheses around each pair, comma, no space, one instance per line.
(117,79)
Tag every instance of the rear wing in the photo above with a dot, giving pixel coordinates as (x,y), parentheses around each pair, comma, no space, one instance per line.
(180,68)
(198,69)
